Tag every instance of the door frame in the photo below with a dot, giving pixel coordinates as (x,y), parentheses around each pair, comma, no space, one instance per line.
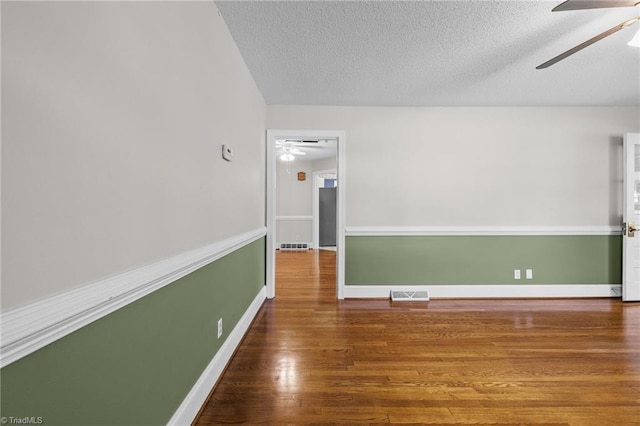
(628,293)
(272,136)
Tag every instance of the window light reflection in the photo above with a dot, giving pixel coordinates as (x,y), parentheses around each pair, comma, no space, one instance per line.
(287,374)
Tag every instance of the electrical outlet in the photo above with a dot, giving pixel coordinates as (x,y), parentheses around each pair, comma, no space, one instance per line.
(529,274)
(219,328)
(516,274)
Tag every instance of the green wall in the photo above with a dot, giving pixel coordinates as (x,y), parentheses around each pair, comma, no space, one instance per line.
(136,365)
(374,260)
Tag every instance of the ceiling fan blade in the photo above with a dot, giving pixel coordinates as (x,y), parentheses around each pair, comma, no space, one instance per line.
(587,43)
(593,4)
(298,145)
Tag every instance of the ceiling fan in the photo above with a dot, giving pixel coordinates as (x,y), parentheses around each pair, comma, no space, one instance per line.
(290,148)
(287,150)
(591,4)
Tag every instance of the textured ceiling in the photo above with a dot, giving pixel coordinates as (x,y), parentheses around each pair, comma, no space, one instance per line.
(424,53)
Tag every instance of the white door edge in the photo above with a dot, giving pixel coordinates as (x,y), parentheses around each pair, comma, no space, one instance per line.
(630,254)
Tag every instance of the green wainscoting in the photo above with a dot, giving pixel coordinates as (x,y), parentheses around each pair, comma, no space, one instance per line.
(136,365)
(397,260)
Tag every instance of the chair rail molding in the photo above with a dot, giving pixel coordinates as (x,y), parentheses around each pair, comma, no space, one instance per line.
(366,231)
(294,217)
(29,328)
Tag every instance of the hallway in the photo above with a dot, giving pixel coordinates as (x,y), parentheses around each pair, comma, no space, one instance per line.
(309,358)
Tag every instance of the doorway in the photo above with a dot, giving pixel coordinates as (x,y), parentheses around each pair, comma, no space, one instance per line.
(279,145)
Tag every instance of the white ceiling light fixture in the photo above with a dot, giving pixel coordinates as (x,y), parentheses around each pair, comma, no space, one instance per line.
(287,157)
(288,150)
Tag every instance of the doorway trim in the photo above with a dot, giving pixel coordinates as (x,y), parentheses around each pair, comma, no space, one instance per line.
(630,285)
(272,136)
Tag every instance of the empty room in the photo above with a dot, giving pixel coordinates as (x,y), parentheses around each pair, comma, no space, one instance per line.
(320,212)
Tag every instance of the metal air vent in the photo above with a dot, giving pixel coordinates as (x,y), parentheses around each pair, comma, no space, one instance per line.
(400,295)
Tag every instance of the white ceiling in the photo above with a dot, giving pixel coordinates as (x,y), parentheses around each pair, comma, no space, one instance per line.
(433,53)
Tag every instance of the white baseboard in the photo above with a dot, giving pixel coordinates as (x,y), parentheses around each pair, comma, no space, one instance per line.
(480,291)
(188,410)
(31,327)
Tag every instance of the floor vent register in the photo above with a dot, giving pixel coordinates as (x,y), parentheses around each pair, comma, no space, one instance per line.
(408,296)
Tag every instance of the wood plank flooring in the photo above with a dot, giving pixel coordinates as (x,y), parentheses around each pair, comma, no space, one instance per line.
(311,359)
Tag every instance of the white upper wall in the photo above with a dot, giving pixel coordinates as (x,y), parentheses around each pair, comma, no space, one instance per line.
(508,166)
(329,163)
(293,197)
(294,201)
(113,118)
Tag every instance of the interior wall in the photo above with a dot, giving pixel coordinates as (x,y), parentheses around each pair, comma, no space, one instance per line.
(484,260)
(113,117)
(136,366)
(525,166)
(329,163)
(294,201)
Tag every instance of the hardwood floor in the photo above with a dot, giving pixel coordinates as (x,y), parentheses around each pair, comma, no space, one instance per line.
(309,358)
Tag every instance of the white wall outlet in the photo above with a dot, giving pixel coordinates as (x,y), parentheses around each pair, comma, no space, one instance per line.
(529,274)
(516,274)
(219,328)
(226,152)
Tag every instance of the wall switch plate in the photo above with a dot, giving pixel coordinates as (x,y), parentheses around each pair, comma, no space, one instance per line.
(516,274)
(226,152)
(219,328)
(529,273)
